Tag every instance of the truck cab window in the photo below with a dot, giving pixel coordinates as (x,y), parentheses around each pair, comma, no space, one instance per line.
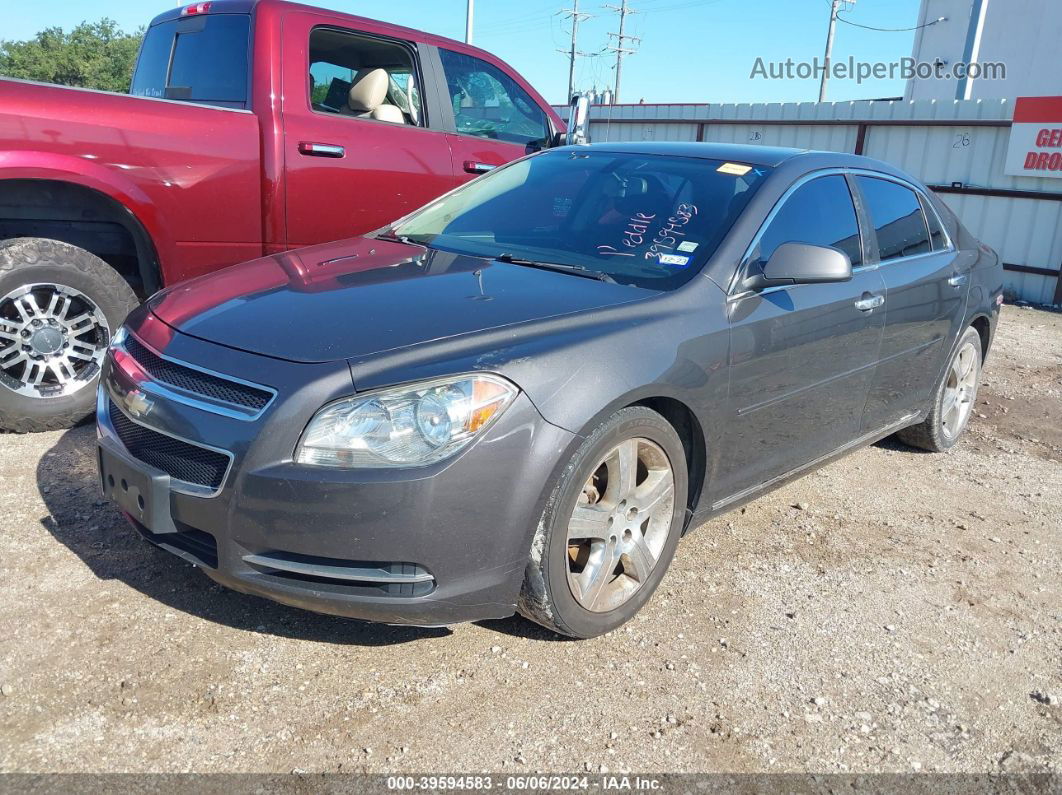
(200,59)
(363,77)
(490,104)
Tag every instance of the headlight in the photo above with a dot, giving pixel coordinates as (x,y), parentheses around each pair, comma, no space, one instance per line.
(408,426)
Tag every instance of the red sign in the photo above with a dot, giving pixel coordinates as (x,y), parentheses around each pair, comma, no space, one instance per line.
(1035,148)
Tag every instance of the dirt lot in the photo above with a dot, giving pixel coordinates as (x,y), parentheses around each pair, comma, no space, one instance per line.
(895,611)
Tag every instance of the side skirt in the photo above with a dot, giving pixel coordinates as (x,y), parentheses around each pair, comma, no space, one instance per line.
(750,494)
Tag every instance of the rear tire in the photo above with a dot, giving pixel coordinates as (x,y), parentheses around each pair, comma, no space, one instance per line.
(59,307)
(953,401)
(591,571)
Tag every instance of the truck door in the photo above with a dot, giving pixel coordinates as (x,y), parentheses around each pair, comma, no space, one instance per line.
(495,119)
(358,150)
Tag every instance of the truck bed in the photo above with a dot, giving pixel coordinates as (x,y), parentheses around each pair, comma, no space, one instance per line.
(177,165)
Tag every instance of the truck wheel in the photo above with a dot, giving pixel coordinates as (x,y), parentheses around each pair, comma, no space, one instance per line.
(59,306)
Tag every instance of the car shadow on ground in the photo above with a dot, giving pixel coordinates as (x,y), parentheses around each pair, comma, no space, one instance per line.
(893,443)
(96,532)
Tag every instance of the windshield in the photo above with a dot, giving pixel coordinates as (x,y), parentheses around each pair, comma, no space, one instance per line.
(647,220)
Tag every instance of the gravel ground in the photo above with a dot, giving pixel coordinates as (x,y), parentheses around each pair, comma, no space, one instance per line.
(894,611)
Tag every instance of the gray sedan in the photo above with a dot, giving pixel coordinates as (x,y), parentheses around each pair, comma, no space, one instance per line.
(522,395)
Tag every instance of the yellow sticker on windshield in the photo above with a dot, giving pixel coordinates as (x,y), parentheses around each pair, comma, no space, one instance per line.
(736,169)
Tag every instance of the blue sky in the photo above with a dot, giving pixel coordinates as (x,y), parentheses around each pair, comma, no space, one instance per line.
(691,50)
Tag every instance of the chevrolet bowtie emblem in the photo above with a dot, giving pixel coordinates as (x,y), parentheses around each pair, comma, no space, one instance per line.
(137,403)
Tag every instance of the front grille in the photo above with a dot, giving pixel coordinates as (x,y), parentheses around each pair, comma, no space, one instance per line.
(196,381)
(180,460)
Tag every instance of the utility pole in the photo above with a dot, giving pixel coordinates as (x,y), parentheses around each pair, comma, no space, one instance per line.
(576,18)
(834,7)
(468,20)
(623,10)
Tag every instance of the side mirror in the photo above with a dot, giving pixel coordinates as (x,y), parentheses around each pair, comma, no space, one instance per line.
(802,263)
(578,121)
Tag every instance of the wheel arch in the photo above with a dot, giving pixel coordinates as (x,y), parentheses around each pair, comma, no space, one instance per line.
(85,216)
(983,325)
(690,432)
(682,418)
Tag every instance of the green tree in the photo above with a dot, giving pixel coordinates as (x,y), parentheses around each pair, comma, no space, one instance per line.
(93,55)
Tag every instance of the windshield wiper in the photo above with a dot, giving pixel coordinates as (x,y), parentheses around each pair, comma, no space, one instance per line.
(393,238)
(574,270)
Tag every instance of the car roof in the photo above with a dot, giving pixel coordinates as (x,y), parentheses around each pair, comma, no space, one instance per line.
(769,156)
(743,153)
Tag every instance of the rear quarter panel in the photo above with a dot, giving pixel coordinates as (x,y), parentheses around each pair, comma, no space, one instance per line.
(189,173)
(985,269)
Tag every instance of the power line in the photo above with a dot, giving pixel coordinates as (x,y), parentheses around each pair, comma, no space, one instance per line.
(576,17)
(623,10)
(890,30)
(536,15)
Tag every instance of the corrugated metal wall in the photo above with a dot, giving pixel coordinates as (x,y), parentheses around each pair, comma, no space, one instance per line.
(941,143)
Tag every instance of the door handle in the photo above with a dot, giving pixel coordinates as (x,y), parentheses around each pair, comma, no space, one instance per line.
(475,167)
(321,150)
(869,302)
(958,280)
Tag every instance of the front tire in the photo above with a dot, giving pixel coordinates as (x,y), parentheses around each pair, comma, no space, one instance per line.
(953,401)
(610,527)
(59,307)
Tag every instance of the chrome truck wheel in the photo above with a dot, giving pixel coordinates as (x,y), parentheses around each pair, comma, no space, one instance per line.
(52,340)
(59,305)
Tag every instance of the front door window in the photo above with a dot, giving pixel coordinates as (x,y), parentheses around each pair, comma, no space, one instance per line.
(490,104)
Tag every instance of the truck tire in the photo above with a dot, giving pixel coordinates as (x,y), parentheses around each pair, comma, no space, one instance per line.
(59,307)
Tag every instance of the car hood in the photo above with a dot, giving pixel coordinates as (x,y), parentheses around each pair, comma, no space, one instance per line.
(363,296)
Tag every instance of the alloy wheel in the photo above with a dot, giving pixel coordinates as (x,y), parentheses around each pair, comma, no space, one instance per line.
(620,524)
(52,340)
(960,391)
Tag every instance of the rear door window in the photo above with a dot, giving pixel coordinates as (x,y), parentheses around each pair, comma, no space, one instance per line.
(340,60)
(897,217)
(820,213)
(490,104)
(203,58)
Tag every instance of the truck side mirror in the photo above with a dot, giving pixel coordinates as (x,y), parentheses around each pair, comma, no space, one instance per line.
(578,121)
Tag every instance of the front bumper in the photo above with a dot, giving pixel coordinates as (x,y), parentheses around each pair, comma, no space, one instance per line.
(429,546)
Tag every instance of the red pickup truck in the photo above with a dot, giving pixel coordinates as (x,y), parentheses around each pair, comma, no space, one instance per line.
(252,127)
